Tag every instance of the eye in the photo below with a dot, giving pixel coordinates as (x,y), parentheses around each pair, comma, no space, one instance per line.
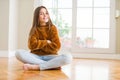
(47,13)
(41,13)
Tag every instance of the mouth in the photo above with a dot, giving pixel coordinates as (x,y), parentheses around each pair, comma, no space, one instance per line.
(45,19)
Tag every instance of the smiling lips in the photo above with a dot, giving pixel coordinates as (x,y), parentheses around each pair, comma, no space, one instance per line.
(46,19)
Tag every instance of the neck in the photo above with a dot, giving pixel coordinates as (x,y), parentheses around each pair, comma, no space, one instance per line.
(43,24)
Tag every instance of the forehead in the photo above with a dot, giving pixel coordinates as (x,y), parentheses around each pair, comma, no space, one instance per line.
(43,10)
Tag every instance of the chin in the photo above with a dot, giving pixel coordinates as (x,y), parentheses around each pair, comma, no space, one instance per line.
(46,21)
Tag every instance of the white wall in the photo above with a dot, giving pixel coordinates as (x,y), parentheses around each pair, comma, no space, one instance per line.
(118,28)
(25,21)
(13,24)
(8,26)
(4,24)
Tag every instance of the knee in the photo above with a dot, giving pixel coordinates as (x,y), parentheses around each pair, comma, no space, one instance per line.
(19,54)
(67,58)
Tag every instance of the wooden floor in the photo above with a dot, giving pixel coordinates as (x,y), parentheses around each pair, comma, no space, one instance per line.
(79,69)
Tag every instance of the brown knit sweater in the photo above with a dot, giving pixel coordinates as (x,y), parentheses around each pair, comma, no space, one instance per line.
(38,44)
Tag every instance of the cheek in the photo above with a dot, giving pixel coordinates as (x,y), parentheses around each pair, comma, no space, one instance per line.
(40,18)
(48,16)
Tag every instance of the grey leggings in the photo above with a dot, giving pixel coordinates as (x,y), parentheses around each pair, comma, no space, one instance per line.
(45,62)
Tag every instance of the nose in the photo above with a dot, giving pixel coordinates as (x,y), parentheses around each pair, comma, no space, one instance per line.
(44,15)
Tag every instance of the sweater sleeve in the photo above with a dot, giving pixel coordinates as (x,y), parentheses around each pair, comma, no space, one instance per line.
(35,43)
(55,44)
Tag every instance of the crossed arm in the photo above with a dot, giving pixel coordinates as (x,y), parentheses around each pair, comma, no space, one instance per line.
(49,46)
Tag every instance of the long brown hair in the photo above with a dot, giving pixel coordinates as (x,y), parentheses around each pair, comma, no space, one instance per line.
(36,22)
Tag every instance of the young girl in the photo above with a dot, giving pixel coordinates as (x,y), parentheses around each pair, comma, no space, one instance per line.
(44,44)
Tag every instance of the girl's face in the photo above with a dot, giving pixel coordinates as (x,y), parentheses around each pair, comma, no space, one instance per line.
(43,16)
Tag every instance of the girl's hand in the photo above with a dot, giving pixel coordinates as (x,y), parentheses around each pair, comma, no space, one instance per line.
(48,41)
